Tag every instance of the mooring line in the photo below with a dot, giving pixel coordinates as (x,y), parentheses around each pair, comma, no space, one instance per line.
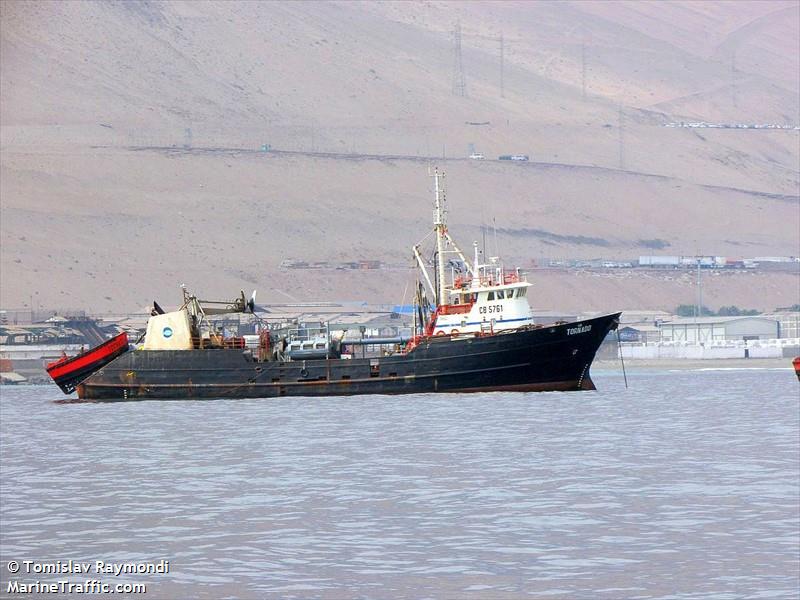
(621,359)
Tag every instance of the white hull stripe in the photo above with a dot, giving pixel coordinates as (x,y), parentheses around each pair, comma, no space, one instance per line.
(457,325)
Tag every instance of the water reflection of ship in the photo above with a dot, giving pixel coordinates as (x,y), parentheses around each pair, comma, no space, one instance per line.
(473,331)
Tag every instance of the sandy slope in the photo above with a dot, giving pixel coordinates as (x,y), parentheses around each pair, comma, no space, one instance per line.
(90,220)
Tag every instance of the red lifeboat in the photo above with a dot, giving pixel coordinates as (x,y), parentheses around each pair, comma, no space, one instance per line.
(68,372)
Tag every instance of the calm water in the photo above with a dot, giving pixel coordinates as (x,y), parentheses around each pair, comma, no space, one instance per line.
(686,485)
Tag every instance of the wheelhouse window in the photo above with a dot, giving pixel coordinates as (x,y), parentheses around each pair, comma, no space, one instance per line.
(490,296)
(501,294)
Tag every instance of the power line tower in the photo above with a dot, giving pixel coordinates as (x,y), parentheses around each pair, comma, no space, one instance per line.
(583,66)
(459,86)
(621,139)
(502,67)
(586,56)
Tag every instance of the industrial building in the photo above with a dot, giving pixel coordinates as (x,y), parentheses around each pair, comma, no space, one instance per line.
(704,330)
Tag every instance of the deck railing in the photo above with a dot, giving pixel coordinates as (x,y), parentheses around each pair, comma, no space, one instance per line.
(464,283)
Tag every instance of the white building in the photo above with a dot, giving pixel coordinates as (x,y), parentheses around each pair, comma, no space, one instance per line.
(704,330)
(789,322)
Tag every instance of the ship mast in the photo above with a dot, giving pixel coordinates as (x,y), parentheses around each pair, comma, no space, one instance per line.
(441,233)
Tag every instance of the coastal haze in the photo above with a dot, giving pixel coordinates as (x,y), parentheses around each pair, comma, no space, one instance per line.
(131,135)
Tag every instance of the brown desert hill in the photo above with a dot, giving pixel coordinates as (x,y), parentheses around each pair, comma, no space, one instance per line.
(130,133)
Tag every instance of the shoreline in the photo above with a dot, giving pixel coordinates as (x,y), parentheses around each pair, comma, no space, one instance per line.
(695,364)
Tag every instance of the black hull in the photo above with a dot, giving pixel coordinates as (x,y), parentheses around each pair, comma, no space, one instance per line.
(556,357)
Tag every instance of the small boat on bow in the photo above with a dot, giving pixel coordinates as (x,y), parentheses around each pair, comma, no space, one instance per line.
(68,372)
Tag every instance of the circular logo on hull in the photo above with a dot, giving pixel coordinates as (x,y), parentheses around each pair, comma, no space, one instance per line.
(167,332)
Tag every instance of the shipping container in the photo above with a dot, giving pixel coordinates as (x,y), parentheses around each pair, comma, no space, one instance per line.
(659,261)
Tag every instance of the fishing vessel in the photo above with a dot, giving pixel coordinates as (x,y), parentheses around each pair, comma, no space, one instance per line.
(473,331)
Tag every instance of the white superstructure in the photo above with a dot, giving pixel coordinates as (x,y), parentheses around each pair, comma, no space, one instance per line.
(486,298)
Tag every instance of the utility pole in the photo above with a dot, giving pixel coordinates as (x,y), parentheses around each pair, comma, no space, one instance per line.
(699,289)
(459,85)
(697,312)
